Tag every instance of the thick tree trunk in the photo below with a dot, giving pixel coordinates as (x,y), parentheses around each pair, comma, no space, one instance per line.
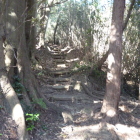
(13,106)
(24,67)
(30,28)
(23,61)
(11,41)
(103,59)
(113,82)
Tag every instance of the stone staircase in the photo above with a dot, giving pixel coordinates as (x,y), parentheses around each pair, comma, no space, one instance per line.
(61,79)
(60,72)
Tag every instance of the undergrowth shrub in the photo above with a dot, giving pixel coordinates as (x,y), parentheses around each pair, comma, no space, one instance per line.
(99,76)
(31,119)
(40,102)
(18,87)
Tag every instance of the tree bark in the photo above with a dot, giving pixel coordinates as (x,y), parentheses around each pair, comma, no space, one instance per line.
(11,41)
(103,59)
(13,106)
(55,29)
(24,67)
(23,61)
(30,28)
(113,81)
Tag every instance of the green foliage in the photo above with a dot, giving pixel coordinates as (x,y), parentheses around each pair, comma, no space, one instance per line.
(84,19)
(1,134)
(32,117)
(18,87)
(41,73)
(83,67)
(44,127)
(80,68)
(30,120)
(98,73)
(30,128)
(40,102)
(35,20)
(99,76)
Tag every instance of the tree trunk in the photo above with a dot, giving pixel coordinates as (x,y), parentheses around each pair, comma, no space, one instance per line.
(30,28)
(24,67)
(13,106)
(129,14)
(11,41)
(55,29)
(44,13)
(103,59)
(23,61)
(113,82)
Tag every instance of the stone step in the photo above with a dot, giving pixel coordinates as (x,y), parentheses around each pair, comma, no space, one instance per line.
(72,60)
(56,49)
(59,79)
(58,60)
(60,87)
(65,60)
(60,72)
(55,53)
(67,97)
(58,69)
(62,65)
(58,56)
(58,53)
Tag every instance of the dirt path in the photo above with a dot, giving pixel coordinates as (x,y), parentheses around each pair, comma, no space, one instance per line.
(84,104)
(83,100)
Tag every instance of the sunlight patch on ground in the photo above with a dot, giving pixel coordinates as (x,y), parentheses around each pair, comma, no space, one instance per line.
(129,133)
(76,129)
(79,132)
(94,132)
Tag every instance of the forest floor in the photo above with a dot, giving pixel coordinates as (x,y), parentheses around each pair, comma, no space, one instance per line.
(82,96)
(86,118)
(8,128)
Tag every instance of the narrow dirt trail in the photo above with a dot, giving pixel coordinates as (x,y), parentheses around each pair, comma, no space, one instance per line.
(74,92)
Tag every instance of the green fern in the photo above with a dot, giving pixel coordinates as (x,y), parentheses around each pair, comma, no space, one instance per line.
(40,102)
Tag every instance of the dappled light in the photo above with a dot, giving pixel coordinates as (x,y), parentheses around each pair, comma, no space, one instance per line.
(70,70)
